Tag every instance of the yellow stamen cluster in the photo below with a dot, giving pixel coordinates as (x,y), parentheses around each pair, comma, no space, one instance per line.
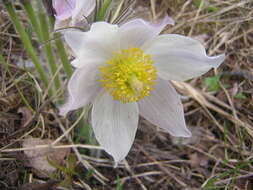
(129,75)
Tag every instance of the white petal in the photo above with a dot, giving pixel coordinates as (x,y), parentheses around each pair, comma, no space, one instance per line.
(75,39)
(114,124)
(97,45)
(83,9)
(180,58)
(164,109)
(82,88)
(82,62)
(160,24)
(136,32)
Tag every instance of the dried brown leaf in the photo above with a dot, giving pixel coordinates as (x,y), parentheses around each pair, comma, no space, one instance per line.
(38,158)
(35,186)
(198,160)
(26,115)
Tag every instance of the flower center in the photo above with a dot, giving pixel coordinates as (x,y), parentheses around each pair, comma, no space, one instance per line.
(129,75)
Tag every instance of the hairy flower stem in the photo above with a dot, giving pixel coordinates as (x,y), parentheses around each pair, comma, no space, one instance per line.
(44,28)
(61,50)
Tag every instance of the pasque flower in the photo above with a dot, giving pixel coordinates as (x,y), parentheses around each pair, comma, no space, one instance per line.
(123,71)
(76,10)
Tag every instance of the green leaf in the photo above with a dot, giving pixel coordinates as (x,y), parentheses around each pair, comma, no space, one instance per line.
(66,182)
(89,174)
(68,171)
(72,163)
(57,166)
(212,9)
(199,3)
(212,83)
(240,95)
(83,133)
(226,85)
(119,185)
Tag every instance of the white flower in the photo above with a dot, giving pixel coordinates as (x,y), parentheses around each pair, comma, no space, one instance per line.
(123,71)
(75,10)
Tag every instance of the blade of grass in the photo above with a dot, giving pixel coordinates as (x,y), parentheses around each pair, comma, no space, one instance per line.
(32,17)
(27,43)
(225,143)
(5,65)
(102,12)
(211,182)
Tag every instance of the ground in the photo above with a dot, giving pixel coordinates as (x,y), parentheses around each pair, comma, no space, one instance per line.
(218,110)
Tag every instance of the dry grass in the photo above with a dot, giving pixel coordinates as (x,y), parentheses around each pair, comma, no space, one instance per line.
(218,156)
